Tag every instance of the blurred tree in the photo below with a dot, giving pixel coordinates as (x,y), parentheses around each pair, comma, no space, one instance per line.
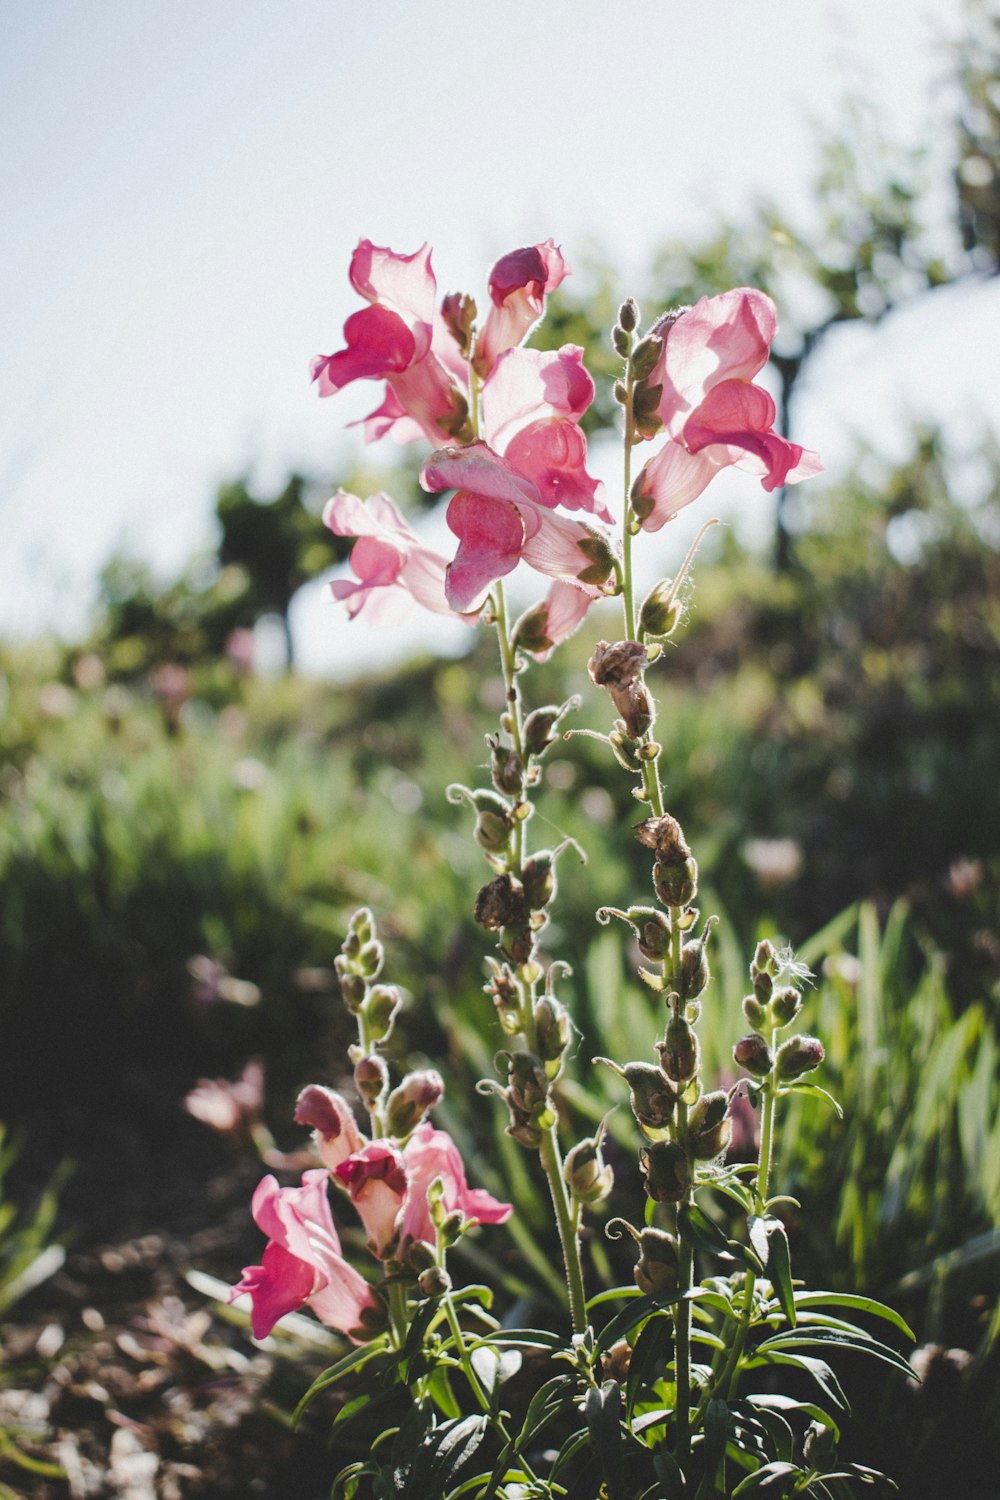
(977,170)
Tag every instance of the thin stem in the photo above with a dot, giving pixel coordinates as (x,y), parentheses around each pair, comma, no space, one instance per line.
(551,1158)
(628,594)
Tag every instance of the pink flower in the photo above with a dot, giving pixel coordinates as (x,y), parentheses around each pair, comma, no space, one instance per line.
(389,1187)
(404,338)
(302,1262)
(228,1107)
(335,1130)
(714,416)
(499,518)
(431,1155)
(393,568)
(519,284)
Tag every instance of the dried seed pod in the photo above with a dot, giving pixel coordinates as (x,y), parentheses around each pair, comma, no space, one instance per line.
(798,1055)
(666,1171)
(753,1053)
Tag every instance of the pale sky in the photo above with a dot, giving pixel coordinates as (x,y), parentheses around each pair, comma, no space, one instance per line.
(182,185)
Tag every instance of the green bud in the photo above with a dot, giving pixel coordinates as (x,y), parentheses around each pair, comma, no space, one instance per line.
(527,1082)
(653,929)
(753,1053)
(620,390)
(624,750)
(694,969)
(420,1256)
(492,832)
(660,611)
(434,1282)
(798,1055)
(353,990)
(370,959)
(666,1170)
(755,1013)
(763,986)
(530,631)
(786,1002)
(819,1446)
(656,1270)
(765,960)
(410,1101)
(628,315)
(647,351)
(380,1010)
(362,926)
(642,504)
(600,559)
(621,340)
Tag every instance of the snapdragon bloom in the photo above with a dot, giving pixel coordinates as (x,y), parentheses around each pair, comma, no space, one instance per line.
(394,569)
(713,413)
(302,1263)
(389,1187)
(404,338)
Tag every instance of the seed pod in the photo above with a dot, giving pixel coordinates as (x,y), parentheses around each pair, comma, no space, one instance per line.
(624,750)
(505,767)
(587,1174)
(679,1051)
(616,664)
(615,1364)
(516,943)
(553,1031)
(676,885)
(656,1270)
(501,903)
(660,612)
(694,969)
(492,832)
(652,1096)
(666,1170)
(503,991)
(753,1053)
(539,729)
(798,1055)
(523,1129)
(410,1101)
(710,1126)
(527,1082)
(539,879)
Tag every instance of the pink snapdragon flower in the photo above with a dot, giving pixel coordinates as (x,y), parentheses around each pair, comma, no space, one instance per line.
(713,414)
(335,1130)
(500,517)
(302,1263)
(389,1187)
(518,284)
(393,567)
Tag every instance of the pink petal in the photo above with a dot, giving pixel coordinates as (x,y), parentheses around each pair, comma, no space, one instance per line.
(491,540)
(519,283)
(553,455)
(528,384)
(741,416)
(378,343)
(281,1285)
(727,337)
(432,1155)
(428,394)
(336,1130)
(342,1301)
(376,1179)
(403,282)
(391,417)
(564,608)
(674,477)
(554,548)
(478,469)
(377,516)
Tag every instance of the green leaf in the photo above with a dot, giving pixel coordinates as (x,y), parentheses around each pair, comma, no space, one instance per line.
(717,1423)
(352,1361)
(817,1368)
(439,1388)
(648,1357)
(670,1475)
(694,1226)
(787,1403)
(550,1399)
(856,1301)
(810,1336)
(603,1412)
(817,1092)
(779,1267)
(614,1294)
(570,1448)
(770,1474)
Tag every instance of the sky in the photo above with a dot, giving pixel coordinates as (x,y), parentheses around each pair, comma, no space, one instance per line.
(182,186)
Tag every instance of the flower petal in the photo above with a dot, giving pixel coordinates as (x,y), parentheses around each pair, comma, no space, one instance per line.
(727,337)
(403,282)
(671,479)
(519,283)
(491,536)
(378,343)
(738,415)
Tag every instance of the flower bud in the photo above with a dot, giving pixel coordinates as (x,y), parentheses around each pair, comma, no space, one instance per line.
(753,1053)
(615,1364)
(362,926)
(652,1096)
(539,879)
(709,1124)
(622,341)
(371,1078)
(661,611)
(755,1013)
(798,1055)
(666,1170)
(434,1282)
(420,1256)
(644,357)
(370,959)
(458,311)
(531,630)
(765,960)
(628,315)
(353,990)
(656,1270)
(679,1051)
(501,903)
(620,391)
(587,1174)
(380,1010)
(553,1031)
(819,1446)
(763,985)
(786,1002)
(410,1101)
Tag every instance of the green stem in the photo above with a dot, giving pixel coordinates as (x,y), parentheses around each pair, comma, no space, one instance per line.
(628,594)
(551,1158)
